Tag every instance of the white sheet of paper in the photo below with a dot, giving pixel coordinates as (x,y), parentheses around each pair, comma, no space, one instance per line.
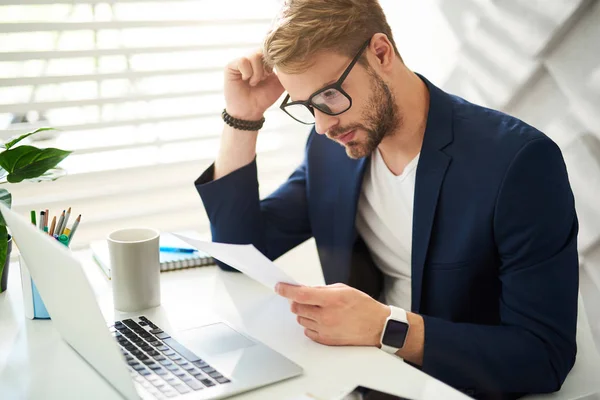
(245,258)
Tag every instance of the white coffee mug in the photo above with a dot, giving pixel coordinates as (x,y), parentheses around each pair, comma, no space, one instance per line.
(135,268)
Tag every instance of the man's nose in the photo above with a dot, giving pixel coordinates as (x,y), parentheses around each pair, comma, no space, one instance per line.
(324,122)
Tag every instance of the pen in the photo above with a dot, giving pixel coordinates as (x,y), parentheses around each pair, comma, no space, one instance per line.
(42,219)
(46,219)
(33,217)
(177,250)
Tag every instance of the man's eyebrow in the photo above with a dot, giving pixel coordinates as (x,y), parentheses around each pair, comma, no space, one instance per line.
(321,88)
(329,83)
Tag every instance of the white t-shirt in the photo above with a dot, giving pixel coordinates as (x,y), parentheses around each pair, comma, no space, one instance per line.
(384,221)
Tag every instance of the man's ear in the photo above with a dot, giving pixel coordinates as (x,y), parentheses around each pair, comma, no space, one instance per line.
(383,50)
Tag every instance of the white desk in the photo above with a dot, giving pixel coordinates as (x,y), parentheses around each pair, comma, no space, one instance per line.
(36,364)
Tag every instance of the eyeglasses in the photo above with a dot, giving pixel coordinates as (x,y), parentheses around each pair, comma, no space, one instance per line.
(330,100)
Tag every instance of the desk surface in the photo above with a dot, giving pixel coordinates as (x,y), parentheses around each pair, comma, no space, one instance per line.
(36,364)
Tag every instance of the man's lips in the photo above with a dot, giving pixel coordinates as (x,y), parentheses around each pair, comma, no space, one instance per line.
(345,137)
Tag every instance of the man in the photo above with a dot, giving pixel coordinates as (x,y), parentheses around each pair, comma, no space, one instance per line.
(446,232)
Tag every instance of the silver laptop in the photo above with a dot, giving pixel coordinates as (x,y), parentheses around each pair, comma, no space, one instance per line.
(136,356)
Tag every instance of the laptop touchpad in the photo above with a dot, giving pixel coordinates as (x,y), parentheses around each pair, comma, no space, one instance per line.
(214,339)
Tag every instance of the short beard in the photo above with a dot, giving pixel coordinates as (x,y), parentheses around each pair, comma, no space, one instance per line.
(381,116)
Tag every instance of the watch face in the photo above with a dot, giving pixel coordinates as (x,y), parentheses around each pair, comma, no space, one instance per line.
(395,334)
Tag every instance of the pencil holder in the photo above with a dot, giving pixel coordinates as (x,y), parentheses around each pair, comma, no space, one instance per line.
(32,301)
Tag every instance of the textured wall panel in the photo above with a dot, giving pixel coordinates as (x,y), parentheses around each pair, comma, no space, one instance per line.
(539,60)
(582,157)
(575,64)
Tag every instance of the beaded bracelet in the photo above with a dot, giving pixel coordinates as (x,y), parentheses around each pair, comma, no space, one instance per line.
(242,124)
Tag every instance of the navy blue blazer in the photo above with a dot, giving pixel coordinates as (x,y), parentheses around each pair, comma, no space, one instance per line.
(494,251)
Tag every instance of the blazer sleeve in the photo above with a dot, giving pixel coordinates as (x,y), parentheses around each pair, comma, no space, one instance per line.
(535,229)
(237,215)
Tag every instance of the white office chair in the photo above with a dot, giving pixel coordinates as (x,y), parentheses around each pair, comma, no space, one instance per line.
(584,378)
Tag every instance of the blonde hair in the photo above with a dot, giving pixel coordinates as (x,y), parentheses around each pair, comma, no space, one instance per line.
(306,27)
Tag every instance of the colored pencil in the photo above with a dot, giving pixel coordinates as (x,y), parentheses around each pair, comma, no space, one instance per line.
(74,228)
(64,225)
(52,226)
(59,223)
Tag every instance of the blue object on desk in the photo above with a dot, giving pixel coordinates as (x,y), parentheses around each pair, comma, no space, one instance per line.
(39,309)
(33,305)
(178,250)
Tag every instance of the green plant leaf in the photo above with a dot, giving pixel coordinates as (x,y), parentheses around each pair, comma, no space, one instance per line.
(17,140)
(3,248)
(51,175)
(28,162)
(6,199)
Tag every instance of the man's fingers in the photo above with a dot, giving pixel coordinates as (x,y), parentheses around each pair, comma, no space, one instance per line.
(245,68)
(311,334)
(315,336)
(302,294)
(257,69)
(307,323)
(307,311)
(268,71)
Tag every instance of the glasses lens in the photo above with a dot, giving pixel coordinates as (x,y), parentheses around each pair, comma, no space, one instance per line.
(301,113)
(331,101)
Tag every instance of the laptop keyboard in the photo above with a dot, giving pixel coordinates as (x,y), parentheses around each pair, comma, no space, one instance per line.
(159,363)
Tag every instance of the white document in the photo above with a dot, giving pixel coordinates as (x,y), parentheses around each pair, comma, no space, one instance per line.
(245,258)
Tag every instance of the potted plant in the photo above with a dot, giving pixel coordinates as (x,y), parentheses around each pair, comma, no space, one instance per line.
(17,164)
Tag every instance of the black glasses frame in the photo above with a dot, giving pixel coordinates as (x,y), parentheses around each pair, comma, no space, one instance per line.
(336,85)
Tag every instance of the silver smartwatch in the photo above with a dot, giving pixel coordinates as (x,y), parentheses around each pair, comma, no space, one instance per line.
(395,330)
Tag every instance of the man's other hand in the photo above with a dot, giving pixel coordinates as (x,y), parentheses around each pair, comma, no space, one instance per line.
(336,315)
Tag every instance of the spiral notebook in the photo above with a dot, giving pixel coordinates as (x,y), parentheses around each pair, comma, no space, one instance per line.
(169,261)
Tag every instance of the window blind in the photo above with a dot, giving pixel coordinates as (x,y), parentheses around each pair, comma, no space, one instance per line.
(135,89)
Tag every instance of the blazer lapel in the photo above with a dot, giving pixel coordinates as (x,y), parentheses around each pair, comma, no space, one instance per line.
(433,164)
